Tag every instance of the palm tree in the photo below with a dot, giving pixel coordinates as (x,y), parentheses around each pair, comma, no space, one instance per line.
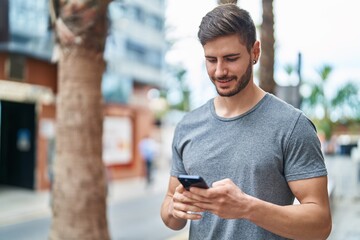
(79,189)
(226,1)
(180,74)
(317,100)
(266,79)
(317,96)
(345,102)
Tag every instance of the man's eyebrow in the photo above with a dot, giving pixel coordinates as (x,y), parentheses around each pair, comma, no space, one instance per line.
(226,56)
(232,55)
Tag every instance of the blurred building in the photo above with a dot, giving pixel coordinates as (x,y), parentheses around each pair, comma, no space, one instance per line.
(134,50)
(290,94)
(27,92)
(28,87)
(134,54)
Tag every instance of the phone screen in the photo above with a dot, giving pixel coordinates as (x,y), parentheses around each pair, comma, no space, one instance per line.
(192,181)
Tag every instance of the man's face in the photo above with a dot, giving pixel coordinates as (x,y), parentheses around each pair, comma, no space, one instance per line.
(229,65)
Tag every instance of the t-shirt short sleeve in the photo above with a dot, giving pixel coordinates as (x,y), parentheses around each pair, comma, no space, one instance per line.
(303,157)
(177,166)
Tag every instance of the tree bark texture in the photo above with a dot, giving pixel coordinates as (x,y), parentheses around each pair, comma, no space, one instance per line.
(79,188)
(226,1)
(267,39)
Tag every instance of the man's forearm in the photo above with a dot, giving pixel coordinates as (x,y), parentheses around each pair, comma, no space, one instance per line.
(169,220)
(302,221)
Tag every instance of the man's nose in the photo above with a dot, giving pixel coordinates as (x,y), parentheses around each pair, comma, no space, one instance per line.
(221,70)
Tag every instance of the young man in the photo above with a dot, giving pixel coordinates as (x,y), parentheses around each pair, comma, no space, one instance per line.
(256,151)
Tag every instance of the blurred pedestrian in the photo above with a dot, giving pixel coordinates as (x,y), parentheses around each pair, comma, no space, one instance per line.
(149,149)
(255,151)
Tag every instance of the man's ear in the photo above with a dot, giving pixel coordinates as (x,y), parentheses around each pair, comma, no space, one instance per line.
(256,51)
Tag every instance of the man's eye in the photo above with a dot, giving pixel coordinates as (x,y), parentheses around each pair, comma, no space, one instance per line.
(211,60)
(232,59)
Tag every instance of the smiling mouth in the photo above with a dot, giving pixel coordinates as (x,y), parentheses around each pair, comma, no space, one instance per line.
(225,80)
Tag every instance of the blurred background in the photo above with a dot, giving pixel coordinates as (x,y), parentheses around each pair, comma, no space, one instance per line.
(154,73)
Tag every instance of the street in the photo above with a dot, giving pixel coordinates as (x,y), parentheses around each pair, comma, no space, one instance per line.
(133,219)
(138,219)
(133,209)
(345,174)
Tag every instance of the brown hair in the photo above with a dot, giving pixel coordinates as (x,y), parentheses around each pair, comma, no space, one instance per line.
(227,19)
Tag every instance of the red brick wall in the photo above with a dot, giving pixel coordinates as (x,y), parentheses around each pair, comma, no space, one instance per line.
(3,57)
(41,73)
(42,172)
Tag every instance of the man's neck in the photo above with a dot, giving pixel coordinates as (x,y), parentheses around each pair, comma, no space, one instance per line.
(240,103)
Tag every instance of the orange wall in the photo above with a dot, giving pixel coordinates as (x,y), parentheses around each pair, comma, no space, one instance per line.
(41,73)
(142,120)
(45,74)
(42,168)
(36,72)
(3,57)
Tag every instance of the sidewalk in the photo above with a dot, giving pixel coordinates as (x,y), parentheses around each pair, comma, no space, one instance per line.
(18,205)
(345,174)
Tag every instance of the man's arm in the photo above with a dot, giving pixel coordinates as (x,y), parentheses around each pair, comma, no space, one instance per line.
(311,219)
(167,207)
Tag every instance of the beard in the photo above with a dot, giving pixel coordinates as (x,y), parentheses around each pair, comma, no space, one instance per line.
(240,83)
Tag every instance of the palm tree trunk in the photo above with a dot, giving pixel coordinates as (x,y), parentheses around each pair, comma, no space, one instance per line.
(266,81)
(79,189)
(226,1)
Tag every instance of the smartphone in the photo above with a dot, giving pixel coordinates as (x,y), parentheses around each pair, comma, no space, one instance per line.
(192,181)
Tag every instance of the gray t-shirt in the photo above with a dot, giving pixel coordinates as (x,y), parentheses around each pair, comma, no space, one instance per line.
(260,151)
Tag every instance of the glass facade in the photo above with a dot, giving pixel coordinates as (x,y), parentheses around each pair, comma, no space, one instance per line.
(29,18)
(135,47)
(29,32)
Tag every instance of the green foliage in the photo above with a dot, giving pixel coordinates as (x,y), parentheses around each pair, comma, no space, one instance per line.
(324,72)
(324,125)
(345,103)
(184,105)
(348,94)
(289,69)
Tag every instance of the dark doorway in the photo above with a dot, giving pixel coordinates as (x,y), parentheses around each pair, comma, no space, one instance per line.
(17,144)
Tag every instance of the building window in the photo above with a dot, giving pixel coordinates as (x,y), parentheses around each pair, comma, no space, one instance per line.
(142,54)
(135,50)
(29,18)
(139,14)
(16,67)
(155,22)
(154,58)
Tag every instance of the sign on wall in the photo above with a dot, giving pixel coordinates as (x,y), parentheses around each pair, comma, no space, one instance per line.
(117,140)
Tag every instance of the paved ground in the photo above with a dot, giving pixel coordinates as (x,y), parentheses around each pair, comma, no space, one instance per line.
(346,198)
(25,215)
(18,205)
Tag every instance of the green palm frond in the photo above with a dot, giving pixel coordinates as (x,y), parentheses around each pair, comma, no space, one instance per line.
(346,94)
(324,72)
(289,69)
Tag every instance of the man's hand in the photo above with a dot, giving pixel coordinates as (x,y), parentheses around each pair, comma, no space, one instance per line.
(224,199)
(183,206)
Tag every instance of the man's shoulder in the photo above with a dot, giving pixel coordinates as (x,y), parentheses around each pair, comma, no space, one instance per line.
(197,114)
(284,114)
(282,109)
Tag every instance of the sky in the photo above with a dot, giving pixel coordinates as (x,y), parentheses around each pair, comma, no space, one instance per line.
(324,31)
